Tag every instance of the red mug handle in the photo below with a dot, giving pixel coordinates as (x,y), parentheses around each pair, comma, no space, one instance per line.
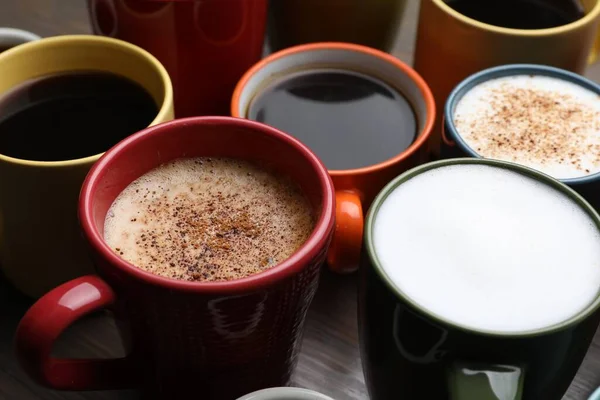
(47,319)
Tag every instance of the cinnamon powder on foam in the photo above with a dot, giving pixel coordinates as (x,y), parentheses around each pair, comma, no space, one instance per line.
(208,220)
(532,121)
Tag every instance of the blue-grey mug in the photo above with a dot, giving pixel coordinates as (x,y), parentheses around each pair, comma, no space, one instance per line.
(455,146)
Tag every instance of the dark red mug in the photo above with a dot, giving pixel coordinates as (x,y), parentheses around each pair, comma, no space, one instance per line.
(212,340)
(205,45)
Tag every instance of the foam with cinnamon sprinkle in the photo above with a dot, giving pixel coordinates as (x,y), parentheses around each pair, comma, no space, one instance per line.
(208,219)
(542,122)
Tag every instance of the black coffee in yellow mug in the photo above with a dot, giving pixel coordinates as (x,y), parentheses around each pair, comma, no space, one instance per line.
(521,14)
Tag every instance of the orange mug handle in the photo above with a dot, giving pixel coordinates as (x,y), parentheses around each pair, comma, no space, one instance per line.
(344,253)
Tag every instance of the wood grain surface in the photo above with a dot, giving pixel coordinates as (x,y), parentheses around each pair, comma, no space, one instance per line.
(329,362)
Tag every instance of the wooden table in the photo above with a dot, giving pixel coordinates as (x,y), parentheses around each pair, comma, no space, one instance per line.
(329,362)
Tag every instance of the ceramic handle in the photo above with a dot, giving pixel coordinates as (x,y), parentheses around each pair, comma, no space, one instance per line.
(48,318)
(447,141)
(344,253)
(477,381)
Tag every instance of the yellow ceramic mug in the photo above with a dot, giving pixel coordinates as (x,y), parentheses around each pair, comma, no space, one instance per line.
(40,243)
(595,50)
(451,46)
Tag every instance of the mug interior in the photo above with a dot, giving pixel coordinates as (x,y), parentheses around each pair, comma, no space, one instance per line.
(331,55)
(545,179)
(72,53)
(203,137)
(474,80)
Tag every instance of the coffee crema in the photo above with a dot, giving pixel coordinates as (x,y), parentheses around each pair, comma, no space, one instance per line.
(502,252)
(208,219)
(542,122)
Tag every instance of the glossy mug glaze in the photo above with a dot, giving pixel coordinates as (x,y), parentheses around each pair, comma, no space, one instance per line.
(205,45)
(410,352)
(355,188)
(226,337)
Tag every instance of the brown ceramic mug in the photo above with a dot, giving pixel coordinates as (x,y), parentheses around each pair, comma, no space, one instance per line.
(372,23)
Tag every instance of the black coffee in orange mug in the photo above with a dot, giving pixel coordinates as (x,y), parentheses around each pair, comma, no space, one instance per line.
(351,109)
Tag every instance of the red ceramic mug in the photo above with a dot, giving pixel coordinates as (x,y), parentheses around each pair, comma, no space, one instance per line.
(216,340)
(205,45)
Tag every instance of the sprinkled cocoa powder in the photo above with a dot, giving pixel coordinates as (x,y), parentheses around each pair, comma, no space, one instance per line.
(545,123)
(208,220)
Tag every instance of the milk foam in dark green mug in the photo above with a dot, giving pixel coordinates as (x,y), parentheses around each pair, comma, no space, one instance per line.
(480,280)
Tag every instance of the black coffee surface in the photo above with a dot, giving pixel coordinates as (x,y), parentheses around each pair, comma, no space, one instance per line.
(348,119)
(69,116)
(520,14)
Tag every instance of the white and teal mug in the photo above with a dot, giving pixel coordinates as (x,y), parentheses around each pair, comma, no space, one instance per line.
(285,393)
(11,37)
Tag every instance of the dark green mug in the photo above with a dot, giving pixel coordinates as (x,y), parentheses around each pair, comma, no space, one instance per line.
(409,352)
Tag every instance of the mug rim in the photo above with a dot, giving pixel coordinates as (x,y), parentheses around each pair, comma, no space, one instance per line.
(557,30)
(77,40)
(526,171)
(502,71)
(290,266)
(430,110)
(17,36)
(595,395)
(275,392)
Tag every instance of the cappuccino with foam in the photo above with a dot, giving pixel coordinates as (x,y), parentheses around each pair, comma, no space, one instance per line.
(488,248)
(545,123)
(206,219)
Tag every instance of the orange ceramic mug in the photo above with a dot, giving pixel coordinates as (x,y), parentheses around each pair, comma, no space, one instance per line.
(355,188)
